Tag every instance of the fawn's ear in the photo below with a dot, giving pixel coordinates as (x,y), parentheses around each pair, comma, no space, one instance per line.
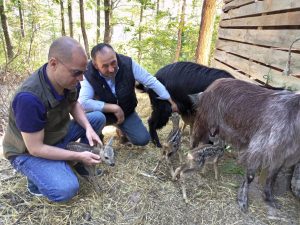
(111,140)
(98,145)
(164,146)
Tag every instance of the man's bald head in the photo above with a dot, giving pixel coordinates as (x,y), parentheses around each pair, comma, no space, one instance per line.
(63,48)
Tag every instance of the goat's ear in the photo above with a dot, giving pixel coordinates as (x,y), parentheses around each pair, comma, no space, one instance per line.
(195,98)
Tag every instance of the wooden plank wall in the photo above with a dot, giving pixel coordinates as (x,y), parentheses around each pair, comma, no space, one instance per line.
(254,41)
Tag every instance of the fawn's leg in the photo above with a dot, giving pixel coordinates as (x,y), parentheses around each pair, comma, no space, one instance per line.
(158,164)
(183,187)
(203,170)
(180,154)
(169,163)
(216,168)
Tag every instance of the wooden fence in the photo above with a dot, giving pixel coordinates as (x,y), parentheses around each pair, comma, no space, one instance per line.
(254,41)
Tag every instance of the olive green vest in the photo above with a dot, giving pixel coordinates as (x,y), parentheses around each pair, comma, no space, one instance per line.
(57,120)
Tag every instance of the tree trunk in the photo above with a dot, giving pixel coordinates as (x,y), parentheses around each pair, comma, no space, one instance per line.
(21,18)
(140,33)
(107,17)
(70,17)
(4,24)
(82,23)
(157,7)
(180,29)
(206,31)
(98,21)
(62,18)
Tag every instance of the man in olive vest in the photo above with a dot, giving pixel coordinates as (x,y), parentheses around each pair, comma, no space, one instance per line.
(109,87)
(39,126)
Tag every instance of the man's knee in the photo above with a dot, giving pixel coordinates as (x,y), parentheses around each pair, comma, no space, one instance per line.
(63,192)
(141,140)
(97,119)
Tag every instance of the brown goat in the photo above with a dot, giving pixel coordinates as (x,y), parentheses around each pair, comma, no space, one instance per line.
(263,124)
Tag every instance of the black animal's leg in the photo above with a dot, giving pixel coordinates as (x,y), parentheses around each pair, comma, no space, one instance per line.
(190,134)
(268,189)
(242,197)
(153,133)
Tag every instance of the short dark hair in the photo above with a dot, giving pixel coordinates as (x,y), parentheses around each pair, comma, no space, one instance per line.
(98,48)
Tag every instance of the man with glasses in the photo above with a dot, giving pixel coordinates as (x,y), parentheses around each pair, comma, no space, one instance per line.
(40,127)
(109,87)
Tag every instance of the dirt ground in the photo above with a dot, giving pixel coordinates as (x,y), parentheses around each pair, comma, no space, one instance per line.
(131,194)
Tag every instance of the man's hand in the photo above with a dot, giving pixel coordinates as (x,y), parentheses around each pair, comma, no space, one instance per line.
(118,112)
(173,105)
(89,158)
(92,136)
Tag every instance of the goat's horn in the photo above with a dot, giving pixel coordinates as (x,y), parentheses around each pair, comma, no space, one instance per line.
(110,141)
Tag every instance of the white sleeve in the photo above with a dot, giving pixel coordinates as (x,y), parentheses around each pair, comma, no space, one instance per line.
(86,97)
(145,78)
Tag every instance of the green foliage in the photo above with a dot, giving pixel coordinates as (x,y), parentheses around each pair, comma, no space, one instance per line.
(30,51)
(214,38)
(159,43)
(160,40)
(158,31)
(189,42)
(231,167)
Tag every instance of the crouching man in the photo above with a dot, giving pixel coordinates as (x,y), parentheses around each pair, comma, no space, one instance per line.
(40,127)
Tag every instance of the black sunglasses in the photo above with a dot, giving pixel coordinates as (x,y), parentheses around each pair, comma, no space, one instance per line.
(74,73)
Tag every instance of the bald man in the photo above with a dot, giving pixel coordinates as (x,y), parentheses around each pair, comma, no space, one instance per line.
(109,87)
(39,126)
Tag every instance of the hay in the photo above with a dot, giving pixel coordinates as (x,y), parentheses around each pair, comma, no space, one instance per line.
(132,195)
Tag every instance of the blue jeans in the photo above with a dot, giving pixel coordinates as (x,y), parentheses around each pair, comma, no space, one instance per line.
(134,129)
(55,178)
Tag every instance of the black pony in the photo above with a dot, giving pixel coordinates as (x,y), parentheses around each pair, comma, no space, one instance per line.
(181,79)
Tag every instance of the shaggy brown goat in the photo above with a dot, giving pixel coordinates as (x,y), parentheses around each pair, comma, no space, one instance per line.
(263,124)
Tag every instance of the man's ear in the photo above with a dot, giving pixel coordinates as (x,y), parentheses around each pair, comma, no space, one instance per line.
(94,64)
(52,63)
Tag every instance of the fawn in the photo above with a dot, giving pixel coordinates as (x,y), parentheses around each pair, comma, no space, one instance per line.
(172,146)
(198,158)
(106,154)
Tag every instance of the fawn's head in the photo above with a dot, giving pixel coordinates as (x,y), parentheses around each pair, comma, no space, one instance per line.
(107,154)
(173,143)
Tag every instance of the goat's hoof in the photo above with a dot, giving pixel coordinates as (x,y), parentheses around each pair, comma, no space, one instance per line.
(186,201)
(274,204)
(243,205)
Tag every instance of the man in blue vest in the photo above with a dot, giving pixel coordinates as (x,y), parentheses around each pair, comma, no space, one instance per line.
(109,87)
(39,126)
